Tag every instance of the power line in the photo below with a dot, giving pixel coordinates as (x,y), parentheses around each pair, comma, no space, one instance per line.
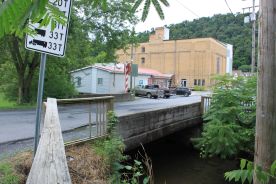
(191,11)
(228,6)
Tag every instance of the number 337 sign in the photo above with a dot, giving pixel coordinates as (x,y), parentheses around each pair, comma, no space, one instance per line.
(51,41)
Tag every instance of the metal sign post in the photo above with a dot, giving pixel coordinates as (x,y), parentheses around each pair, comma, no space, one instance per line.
(39,99)
(48,41)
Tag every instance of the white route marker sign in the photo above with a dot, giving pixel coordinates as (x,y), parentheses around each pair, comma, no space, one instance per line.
(47,41)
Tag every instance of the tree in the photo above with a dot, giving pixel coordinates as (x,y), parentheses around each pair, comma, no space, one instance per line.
(265,141)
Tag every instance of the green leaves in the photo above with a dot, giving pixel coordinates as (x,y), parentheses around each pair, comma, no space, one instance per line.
(247,170)
(230,121)
(156,4)
(273,169)
(245,173)
(14,15)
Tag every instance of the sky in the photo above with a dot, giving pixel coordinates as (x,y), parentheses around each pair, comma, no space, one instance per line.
(181,10)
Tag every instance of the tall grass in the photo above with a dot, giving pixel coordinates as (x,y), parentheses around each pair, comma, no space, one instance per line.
(6,104)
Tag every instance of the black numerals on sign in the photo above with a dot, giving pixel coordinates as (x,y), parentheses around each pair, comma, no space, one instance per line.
(56,35)
(54,46)
(60,3)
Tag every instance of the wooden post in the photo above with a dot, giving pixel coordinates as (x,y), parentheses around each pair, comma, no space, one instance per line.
(265,140)
(50,164)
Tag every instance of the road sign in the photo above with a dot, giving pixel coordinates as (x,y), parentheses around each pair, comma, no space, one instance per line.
(48,41)
(134,70)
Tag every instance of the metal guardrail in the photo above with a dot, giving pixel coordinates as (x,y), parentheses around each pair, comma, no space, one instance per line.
(205,103)
(102,106)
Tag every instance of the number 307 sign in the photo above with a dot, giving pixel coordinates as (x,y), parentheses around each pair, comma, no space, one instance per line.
(51,41)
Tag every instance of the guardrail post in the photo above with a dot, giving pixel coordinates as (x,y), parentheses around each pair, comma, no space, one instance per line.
(202,105)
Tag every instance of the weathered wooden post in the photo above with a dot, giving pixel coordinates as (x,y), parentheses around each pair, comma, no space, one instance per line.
(265,140)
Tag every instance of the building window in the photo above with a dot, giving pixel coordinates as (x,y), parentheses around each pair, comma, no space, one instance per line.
(143,60)
(203,82)
(143,49)
(100,81)
(218,65)
(199,82)
(195,82)
(78,81)
(183,82)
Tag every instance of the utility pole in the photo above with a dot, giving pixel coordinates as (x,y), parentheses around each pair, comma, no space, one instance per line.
(253,19)
(131,57)
(265,137)
(253,39)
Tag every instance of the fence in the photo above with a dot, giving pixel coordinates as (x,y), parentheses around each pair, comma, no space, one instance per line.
(101,106)
(205,103)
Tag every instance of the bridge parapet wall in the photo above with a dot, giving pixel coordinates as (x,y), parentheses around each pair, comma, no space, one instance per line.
(148,126)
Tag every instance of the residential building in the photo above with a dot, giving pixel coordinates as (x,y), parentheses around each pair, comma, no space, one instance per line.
(110,78)
(191,61)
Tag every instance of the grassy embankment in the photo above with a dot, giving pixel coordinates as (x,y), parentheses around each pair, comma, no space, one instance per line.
(6,104)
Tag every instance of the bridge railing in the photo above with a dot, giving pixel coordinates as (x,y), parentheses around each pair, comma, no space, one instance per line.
(205,103)
(97,108)
(50,164)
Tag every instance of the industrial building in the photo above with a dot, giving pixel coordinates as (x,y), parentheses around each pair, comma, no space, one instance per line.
(191,62)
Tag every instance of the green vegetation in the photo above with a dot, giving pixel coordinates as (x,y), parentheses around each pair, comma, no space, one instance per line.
(92,38)
(248,169)
(8,104)
(111,149)
(199,88)
(7,174)
(156,4)
(230,121)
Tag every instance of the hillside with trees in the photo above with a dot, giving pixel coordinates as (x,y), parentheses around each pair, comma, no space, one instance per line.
(225,28)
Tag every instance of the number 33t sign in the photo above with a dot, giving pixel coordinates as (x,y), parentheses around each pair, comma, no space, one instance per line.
(51,41)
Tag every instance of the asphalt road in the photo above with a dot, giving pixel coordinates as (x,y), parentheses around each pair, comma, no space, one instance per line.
(20,124)
(17,126)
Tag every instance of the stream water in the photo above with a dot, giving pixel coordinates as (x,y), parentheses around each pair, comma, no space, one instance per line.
(175,161)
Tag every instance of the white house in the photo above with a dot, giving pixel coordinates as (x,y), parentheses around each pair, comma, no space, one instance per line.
(110,78)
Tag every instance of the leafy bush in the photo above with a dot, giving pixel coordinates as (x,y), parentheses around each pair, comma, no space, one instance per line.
(199,88)
(245,68)
(230,121)
(112,148)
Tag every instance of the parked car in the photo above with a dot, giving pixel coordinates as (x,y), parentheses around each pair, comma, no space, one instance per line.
(165,91)
(183,91)
(148,91)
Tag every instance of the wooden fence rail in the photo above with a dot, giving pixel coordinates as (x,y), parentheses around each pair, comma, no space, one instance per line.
(50,164)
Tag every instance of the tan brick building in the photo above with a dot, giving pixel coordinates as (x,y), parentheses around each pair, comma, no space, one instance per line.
(192,61)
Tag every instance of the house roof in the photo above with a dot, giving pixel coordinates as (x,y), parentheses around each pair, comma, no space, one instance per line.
(119,68)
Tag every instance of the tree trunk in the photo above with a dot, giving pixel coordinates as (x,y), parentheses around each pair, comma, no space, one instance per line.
(25,67)
(265,141)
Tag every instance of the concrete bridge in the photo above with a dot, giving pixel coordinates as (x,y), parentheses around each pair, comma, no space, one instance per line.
(140,122)
(151,125)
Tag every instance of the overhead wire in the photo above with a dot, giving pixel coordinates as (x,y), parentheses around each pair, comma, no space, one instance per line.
(191,11)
